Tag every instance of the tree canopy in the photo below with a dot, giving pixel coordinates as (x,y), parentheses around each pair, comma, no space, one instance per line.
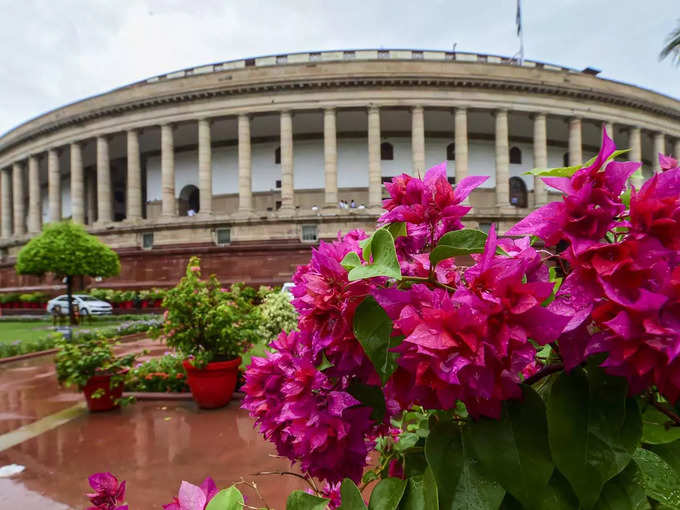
(67,249)
(672,47)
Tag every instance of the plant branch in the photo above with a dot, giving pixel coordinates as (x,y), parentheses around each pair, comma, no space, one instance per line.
(662,408)
(305,478)
(427,281)
(544,372)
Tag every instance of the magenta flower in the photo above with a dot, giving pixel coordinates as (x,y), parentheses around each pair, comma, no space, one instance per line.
(107,492)
(192,497)
(590,207)
(306,414)
(667,162)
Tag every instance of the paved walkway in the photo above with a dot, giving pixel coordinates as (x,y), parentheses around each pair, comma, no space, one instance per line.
(152,445)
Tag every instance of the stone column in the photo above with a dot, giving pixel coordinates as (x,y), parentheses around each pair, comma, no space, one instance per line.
(418,140)
(91,198)
(18,199)
(609,126)
(34,202)
(635,154)
(104,202)
(659,148)
(461,144)
(77,184)
(676,150)
(287,176)
(330,158)
(374,173)
(54,185)
(502,160)
(245,166)
(5,184)
(168,207)
(575,149)
(205,167)
(134,178)
(540,158)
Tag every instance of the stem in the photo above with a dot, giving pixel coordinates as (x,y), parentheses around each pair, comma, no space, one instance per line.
(428,281)
(305,478)
(544,372)
(662,408)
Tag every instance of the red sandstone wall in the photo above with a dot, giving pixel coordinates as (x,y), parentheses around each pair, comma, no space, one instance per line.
(255,264)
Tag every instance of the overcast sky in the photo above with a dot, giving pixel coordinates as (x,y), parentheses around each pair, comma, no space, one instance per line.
(54,52)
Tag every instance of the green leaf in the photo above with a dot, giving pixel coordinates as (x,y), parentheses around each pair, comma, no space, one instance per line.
(300,500)
(624,492)
(385,263)
(350,261)
(350,496)
(397,229)
(226,499)
(373,330)
(324,363)
(568,171)
(670,452)
(558,495)
(461,485)
(656,427)
(370,396)
(514,450)
(659,480)
(458,242)
(387,494)
(593,430)
(421,493)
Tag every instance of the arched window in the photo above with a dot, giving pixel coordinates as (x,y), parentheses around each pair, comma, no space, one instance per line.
(565,159)
(189,200)
(277,156)
(386,151)
(515,156)
(518,192)
(451,152)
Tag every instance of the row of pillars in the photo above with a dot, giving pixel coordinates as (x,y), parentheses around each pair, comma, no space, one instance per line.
(12,206)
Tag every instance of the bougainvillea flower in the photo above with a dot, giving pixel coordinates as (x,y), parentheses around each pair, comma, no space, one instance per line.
(330,491)
(667,162)
(108,492)
(431,204)
(192,497)
(307,415)
(590,207)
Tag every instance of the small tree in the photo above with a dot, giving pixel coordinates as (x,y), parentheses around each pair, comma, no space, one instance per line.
(67,250)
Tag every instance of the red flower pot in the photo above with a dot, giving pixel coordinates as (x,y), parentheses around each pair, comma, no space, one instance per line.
(108,400)
(145,303)
(213,385)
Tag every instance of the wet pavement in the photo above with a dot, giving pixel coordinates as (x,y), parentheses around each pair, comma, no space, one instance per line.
(152,445)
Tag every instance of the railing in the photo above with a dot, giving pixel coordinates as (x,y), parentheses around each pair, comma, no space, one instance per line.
(350,55)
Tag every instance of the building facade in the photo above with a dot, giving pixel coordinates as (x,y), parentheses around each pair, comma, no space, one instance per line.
(245,162)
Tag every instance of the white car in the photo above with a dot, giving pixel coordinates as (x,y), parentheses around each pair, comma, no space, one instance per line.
(286,289)
(86,304)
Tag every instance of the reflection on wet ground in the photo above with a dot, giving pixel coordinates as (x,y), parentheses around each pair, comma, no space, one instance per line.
(152,445)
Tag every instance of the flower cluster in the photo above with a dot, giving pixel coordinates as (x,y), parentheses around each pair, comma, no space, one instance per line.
(192,497)
(108,492)
(305,413)
(622,294)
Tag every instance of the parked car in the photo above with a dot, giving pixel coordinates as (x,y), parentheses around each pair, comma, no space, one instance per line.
(286,289)
(87,305)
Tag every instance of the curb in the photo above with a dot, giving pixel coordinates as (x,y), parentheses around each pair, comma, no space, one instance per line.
(150,396)
(20,357)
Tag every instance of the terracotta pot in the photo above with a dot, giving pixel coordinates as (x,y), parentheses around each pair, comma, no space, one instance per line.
(212,386)
(108,400)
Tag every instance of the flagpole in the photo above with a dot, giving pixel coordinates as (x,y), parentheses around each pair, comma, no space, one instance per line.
(520,32)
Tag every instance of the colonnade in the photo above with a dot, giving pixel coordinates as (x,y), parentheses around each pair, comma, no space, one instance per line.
(15,222)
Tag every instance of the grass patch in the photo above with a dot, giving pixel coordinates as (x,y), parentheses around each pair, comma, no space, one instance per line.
(11,331)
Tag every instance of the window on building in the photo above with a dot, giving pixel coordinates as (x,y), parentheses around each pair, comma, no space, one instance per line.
(315,57)
(349,55)
(282,59)
(383,180)
(310,233)
(250,62)
(278,183)
(565,159)
(451,152)
(223,236)
(386,151)
(277,156)
(452,180)
(277,205)
(383,53)
(485,227)
(147,240)
(515,156)
(518,192)
(417,55)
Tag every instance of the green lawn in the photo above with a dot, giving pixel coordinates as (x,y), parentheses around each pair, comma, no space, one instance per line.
(35,330)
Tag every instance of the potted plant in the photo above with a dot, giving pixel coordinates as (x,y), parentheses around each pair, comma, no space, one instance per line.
(93,368)
(212,327)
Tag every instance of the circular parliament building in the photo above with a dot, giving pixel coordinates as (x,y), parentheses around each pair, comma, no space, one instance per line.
(248,163)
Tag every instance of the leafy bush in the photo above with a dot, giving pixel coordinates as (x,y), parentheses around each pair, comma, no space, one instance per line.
(164,374)
(277,314)
(77,361)
(208,322)
(19,347)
